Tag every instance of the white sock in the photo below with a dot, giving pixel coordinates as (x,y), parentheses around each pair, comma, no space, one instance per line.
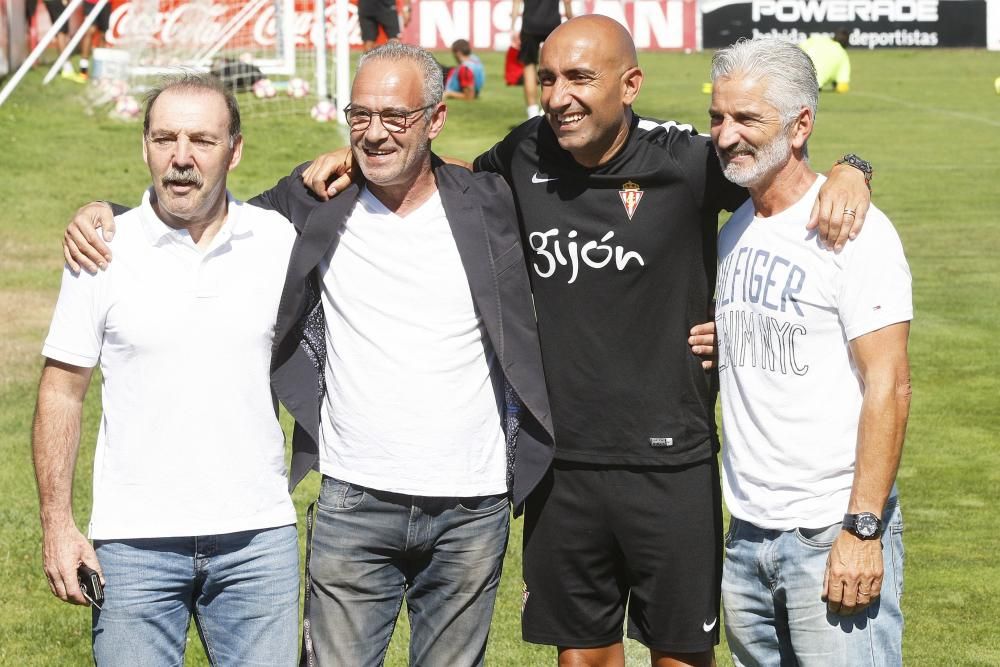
(533,110)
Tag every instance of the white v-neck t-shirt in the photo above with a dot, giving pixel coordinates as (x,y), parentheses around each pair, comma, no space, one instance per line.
(411,405)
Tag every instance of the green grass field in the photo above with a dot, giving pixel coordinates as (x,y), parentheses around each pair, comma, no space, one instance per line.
(928,120)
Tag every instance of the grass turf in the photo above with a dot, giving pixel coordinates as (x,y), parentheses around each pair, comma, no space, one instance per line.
(929,121)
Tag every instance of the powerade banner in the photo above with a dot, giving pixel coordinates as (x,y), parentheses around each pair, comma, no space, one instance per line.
(872,24)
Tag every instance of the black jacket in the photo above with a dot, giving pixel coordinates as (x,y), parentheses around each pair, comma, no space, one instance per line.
(480,210)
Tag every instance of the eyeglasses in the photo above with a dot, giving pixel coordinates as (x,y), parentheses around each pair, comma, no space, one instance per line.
(393,120)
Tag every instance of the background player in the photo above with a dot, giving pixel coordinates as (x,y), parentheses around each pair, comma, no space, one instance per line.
(465,80)
(375,13)
(538,19)
(829,56)
(95,32)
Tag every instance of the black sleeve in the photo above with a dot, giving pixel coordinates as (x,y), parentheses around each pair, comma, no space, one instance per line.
(721,193)
(698,161)
(117,209)
(498,159)
(280,198)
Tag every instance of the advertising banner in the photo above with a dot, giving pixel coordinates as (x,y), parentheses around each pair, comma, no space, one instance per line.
(872,24)
(435,24)
(655,24)
(202,23)
(993,25)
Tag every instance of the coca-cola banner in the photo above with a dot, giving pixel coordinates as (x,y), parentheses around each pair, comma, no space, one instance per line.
(872,23)
(203,23)
(435,24)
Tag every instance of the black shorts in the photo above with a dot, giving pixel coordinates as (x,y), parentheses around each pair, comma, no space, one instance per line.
(598,539)
(387,18)
(531,42)
(55,8)
(103,20)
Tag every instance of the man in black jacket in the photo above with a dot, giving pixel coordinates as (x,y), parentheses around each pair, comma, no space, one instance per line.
(408,355)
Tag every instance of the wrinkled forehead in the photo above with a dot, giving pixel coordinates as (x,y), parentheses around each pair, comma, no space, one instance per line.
(189,109)
(383,84)
(741,87)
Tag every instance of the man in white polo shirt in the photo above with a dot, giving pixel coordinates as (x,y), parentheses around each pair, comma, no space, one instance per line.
(191,512)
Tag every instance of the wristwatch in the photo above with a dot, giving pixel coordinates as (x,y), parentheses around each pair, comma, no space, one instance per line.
(863,165)
(864,525)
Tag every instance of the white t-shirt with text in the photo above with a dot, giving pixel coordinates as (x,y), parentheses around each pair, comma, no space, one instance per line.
(786,309)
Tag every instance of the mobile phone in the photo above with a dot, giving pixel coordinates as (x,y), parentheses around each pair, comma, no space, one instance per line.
(90,584)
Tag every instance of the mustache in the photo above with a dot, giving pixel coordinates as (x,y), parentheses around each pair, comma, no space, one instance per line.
(186,176)
(742,148)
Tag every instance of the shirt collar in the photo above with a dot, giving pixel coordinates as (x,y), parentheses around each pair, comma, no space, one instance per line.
(158,231)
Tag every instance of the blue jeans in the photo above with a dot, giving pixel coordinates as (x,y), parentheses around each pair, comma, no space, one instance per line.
(241,588)
(771,587)
(370,549)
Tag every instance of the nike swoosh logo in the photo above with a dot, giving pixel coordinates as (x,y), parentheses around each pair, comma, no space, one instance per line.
(707,627)
(536,179)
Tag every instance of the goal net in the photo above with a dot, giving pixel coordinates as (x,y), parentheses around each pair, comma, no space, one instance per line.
(276,54)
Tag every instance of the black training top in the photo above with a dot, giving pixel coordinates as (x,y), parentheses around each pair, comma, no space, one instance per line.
(540,17)
(622,260)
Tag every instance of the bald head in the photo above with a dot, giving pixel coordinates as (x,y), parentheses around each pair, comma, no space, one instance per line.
(590,76)
(593,31)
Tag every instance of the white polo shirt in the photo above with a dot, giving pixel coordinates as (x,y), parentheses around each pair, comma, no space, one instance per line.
(189,442)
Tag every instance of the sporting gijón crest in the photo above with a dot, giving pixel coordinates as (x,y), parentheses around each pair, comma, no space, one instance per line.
(630,195)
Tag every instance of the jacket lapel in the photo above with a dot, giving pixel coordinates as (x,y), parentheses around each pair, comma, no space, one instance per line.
(321,230)
(468,227)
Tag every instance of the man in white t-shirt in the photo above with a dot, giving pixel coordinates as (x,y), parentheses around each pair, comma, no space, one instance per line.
(191,512)
(815,388)
(407,354)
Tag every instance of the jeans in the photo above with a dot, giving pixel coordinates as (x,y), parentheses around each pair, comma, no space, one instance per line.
(771,587)
(370,549)
(241,588)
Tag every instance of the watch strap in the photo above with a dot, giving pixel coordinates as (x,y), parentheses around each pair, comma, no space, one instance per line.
(862,165)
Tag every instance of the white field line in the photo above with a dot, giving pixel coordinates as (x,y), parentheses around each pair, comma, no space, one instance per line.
(924,107)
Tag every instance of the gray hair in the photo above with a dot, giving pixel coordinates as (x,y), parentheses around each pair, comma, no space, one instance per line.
(787,72)
(433,76)
(195,81)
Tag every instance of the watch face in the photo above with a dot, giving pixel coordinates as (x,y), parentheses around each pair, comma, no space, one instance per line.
(866,525)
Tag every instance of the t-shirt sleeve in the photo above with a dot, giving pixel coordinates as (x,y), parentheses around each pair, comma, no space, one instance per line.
(700,164)
(466,79)
(77,330)
(875,290)
(496,160)
(720,192)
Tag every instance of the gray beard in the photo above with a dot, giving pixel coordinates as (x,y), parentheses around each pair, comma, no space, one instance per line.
(767,160)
